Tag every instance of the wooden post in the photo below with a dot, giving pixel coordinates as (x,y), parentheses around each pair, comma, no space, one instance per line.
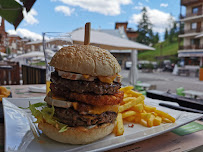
(87,33)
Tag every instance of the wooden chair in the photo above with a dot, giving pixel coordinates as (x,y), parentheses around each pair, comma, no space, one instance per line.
(33,75)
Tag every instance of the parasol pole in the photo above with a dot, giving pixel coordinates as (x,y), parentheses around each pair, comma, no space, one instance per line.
(87,33)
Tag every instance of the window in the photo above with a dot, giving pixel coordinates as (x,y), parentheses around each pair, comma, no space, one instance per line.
(194,26)
(195,10)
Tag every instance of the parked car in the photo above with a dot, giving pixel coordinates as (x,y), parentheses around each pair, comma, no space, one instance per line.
(128,64)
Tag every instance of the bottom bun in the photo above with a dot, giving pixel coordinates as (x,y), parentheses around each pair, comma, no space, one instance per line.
(76,135)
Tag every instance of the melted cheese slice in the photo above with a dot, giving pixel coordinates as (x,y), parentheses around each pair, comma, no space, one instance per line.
(61,102)
(98,109)
(107,79)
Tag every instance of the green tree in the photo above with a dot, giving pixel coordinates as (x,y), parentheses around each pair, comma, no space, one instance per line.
(156,38)
(144,29)
(166,34)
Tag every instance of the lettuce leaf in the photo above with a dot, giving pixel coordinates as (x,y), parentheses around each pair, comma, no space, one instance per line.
(47,114)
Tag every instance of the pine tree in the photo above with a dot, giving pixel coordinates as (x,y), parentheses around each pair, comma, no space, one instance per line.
(156,39)
(166,34)
(144,28)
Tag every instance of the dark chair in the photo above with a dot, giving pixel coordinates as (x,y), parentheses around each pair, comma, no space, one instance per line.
(33,74)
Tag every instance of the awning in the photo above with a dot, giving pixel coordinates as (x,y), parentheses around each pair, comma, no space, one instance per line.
(191,54)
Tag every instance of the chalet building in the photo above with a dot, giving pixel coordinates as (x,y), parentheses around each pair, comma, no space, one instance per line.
(17,44)
(191,50)
(3,37)
(131,34)
(11,43)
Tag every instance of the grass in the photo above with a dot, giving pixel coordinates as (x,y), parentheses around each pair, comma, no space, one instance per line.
(41,63)
(167,50)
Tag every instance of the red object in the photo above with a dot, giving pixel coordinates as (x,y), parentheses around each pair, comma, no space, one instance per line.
(131,126)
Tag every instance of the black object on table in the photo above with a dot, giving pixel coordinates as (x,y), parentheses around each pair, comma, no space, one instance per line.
(180,108)
(182,101)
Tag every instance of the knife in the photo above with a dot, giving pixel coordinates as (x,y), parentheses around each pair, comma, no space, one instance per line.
(180,108)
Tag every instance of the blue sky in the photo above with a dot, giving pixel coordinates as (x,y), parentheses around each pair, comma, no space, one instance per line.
(67,15)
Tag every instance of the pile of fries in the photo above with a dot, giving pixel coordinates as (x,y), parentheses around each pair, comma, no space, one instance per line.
(134,110)
(4,93)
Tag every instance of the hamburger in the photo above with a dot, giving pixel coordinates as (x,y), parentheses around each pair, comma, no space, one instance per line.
(83,103)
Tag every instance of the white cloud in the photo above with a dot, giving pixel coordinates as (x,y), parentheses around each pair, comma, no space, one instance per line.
(25,33)
(105,7)
(159,19)
(163,5)
(65,10)
(30,17)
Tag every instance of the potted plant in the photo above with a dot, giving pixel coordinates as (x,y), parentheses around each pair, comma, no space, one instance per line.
(201,73)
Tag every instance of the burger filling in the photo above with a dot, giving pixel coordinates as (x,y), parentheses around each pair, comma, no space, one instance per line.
(73,103)
(96,86)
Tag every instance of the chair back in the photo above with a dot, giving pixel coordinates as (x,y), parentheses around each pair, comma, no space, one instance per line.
(33,74)
(9,73)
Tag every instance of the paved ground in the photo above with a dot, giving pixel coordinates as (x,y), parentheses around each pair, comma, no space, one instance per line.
(166,81)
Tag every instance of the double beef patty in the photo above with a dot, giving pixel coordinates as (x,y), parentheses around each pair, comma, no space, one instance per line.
(81,86)
(74,118)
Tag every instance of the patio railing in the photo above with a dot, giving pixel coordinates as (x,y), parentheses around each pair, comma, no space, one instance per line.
(187,47)
(198,30)
(9,73)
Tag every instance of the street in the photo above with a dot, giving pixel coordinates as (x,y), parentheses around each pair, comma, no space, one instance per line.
(165,81)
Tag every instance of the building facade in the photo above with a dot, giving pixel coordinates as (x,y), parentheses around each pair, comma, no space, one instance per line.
(191,45)
(3,37)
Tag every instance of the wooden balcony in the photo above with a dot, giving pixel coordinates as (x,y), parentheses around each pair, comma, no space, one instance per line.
(200,12)
(198,30)
(189,2)
(189,47)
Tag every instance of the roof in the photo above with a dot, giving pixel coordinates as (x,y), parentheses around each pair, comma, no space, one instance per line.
(107,41)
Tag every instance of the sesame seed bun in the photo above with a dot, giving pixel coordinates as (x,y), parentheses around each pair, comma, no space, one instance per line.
(86,59)
(76,135)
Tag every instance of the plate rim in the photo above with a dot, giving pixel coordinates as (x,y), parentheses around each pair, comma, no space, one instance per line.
(114,146)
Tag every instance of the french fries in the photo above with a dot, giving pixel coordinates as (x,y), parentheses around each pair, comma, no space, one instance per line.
(4,92)
(134,110)
(119,125)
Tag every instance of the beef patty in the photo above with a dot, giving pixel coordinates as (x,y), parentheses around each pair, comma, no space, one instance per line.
(81,86)
(72,118)
(88,98)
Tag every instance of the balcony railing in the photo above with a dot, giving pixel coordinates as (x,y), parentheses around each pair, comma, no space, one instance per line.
(188,47)
(191,31)
(188,2)
(200,12)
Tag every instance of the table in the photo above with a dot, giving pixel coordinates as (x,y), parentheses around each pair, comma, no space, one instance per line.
(193,93)
(167,142)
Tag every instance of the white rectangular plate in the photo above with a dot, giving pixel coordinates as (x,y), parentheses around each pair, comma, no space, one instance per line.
(20,132)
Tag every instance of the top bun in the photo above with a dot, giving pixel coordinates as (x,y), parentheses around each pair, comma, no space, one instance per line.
(86,59)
